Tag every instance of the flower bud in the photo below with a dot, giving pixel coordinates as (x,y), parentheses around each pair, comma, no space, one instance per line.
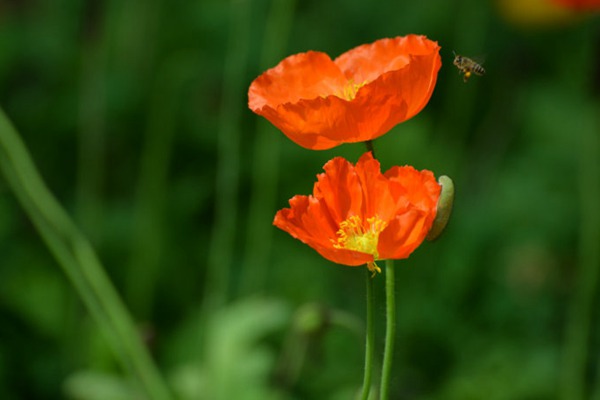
(444,208)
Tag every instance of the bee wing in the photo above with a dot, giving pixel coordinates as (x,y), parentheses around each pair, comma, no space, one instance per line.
(479,59)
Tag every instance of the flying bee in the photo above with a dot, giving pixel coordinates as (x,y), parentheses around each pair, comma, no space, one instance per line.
(467,66)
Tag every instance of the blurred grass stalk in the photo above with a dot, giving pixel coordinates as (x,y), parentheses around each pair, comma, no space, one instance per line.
(265,169)
(78,260)
(226,222)
(149,232)
(585,289)
(581,315)
(592,253)
(92,128)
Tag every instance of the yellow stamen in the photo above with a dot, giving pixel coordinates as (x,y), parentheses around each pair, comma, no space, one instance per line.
(372,266)
(354,235)
(350,90)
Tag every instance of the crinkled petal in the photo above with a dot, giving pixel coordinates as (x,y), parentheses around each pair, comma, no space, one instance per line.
(376,189)
(307,220)
(303,76)
(420,187)
(367,62)
(340,190)
(403,235)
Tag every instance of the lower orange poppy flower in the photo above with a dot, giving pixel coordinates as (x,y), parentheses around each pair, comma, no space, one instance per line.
(320,103)
(357,215)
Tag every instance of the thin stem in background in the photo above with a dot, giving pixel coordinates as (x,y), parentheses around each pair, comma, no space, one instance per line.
(92,122)
(589,249)
(265,169)
(390,329)
(579,327)
(91,138)
(576,352)
(149,231)
(223,235)
(78,260)
(594,227)
(370,338)
(133,47)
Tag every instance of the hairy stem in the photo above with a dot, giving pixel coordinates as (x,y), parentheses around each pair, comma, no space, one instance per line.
(390,330)
(370,342)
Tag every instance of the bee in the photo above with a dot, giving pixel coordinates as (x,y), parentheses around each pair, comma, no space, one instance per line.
(467,66)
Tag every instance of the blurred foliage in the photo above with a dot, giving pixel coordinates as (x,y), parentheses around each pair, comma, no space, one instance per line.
(135,113)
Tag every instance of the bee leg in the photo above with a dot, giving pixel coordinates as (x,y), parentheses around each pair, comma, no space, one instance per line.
(466,76)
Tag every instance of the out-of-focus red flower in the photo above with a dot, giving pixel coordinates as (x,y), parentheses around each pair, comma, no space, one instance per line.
(359,96)
(536,14)
(580,5)
(357,215)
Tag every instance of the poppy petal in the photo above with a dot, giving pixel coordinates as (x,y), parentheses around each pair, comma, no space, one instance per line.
(403,235)
(303,76)
(307,220)
(421,188)
(339,189)
(375,186)
(367,62)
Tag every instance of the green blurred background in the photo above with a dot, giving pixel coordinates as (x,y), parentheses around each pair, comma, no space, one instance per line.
(136,115)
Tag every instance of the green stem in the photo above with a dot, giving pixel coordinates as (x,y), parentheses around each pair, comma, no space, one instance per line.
(390,330)
(78,260)
(370,342)
(369,145)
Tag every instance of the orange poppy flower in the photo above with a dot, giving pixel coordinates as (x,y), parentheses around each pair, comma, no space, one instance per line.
(357,215)
(361,95)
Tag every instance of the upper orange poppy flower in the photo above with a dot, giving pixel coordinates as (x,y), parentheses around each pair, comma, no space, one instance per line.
(359,96)
(357,215)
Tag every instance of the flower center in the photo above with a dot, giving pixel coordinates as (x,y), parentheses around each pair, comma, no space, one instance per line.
(354,235)
(350,90)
